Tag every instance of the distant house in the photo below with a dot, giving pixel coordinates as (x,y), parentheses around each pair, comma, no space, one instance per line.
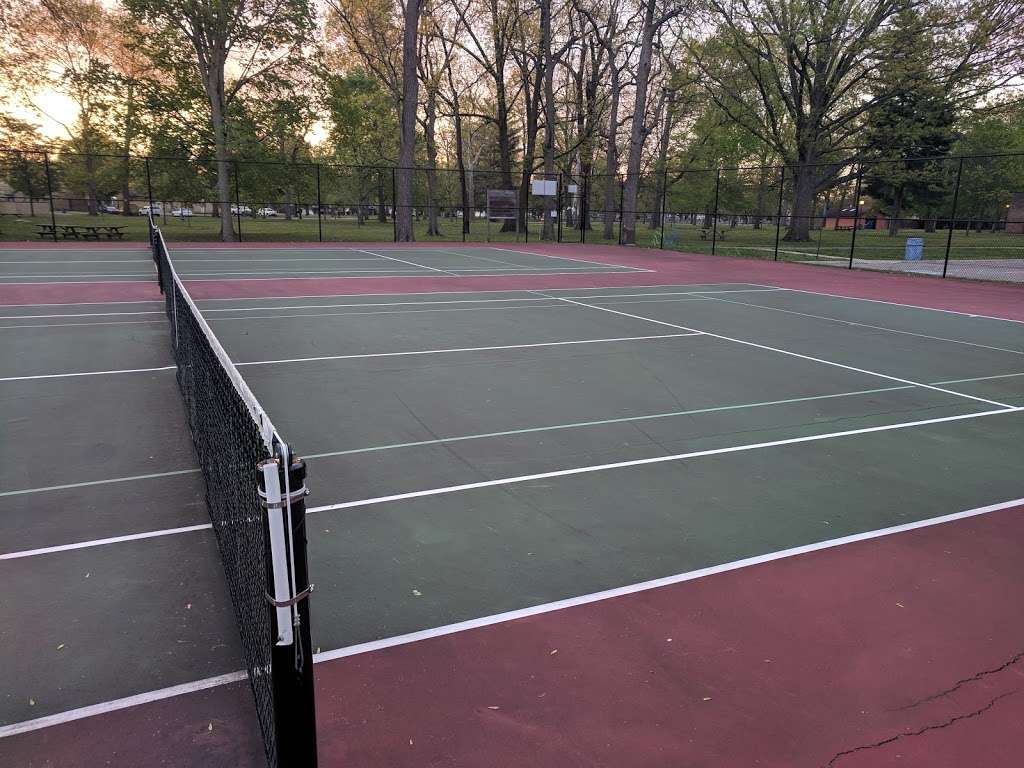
(1015,216)
(845,218)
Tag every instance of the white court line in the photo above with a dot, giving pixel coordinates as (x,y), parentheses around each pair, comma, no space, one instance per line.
(87,483)
(652,460)
(501,618)
(128,702)
(601,422)
(101,542)
(757,288)
(403,261)
(566,258)
(865,325)
(644,586)
(456,438)
(208,310)
(86,373)
(898,304)
(76,325)
(468,349)
(785,352)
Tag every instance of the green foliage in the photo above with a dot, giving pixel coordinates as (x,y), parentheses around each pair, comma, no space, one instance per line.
(913,118)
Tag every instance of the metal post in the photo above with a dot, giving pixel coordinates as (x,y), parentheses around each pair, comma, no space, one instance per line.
(856,214)
(778,211)
(664,195)
(583,214)
(149,187)
(714,219)
(319,216)
(622,197)
(49,193)
(952,218)
(282,483)
(238,204)
(394,203)
(558,208)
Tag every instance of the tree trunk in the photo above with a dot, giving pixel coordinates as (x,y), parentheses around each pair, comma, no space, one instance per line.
(429,136)
(662,164)
(894,220)
(214,85)
(548,228)
(407,146)
(804,189)
(638,131)
(611,163)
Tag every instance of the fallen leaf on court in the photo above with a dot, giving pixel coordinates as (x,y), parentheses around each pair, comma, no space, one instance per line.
(188,606)
(60,647)
(901,605)
(31,702)
(668,639)
(209,727)
(706,698)
(417,593)
(553,652)
(494,707)
(410,742)
(87,575)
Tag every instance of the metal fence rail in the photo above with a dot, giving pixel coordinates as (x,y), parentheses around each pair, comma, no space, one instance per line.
(967,212)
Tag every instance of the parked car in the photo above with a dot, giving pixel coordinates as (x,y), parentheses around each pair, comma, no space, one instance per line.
(155,210)
(266,212)
(111,209)
(241,210)
(181,213)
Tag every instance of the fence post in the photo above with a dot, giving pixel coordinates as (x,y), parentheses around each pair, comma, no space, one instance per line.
(622,197)
(952,218)
(238,203)
(583,214)
(856,215)
(558,207)
(319,213)
(778,211)
(49,193)
(394,204)
(149,187)
(664,196)
(714,219)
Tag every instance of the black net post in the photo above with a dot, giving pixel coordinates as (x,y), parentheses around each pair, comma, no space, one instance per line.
(856,215)
(238,203)
(714,219)
(288,589)
(584,213)
(952,216)
(558,206)
(319,216)
(49,194)
(778,211)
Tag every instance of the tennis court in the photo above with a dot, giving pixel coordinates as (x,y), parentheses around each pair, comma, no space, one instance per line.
(574,507)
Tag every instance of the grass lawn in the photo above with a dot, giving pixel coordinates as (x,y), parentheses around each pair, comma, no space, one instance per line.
(830,244)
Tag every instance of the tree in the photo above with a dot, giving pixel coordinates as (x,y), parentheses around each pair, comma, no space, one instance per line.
(913,118)
(653,20)
(407,124)
(802,76)
(256,37)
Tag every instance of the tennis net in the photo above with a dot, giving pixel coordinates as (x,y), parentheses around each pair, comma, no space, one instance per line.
(255,491)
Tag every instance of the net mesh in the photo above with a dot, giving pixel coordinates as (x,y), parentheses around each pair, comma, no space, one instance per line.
(232,435)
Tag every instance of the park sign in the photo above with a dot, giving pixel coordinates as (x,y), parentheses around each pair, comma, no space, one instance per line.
(502,204)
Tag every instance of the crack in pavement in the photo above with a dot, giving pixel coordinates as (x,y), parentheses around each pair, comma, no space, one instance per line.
(960,683)
(976,713)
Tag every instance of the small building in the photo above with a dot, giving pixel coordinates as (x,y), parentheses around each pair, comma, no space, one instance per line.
(1015,215)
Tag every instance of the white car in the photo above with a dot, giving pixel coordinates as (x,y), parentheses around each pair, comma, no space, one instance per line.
(155,210)
(181,213)
(241,210)
(266,212)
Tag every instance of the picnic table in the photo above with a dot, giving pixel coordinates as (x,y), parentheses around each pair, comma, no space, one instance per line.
(80,231)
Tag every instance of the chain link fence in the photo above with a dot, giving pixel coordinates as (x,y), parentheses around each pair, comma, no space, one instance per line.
(947,217)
